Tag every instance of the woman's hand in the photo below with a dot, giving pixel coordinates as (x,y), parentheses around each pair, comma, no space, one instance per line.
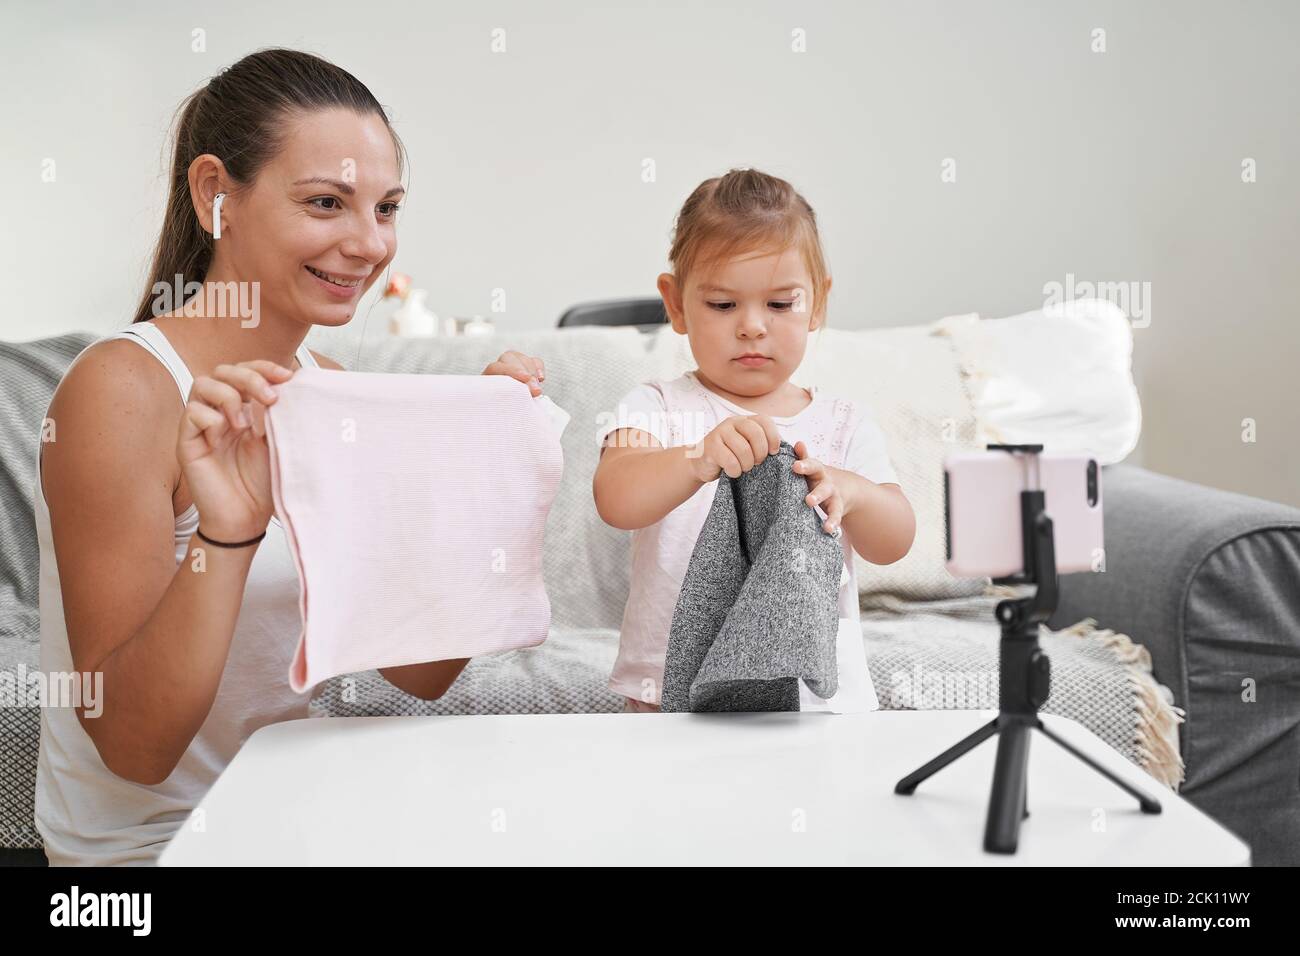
(222,448)
(525,368)
(822,488)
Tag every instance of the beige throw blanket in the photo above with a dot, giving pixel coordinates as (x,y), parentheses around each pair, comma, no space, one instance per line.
(943,655)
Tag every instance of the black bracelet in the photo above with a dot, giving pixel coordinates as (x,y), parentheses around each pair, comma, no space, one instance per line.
(225,544)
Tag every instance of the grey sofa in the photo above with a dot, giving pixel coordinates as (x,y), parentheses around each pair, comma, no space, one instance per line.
(1208,581)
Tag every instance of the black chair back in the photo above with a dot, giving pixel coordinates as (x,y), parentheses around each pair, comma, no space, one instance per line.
(640,312)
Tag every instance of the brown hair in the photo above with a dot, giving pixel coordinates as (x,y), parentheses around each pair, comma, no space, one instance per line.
(746,211)
(239,116)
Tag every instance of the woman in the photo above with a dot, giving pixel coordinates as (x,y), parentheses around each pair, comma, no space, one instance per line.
(193,623)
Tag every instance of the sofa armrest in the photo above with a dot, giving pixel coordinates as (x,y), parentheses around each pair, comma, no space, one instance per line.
(1187,563)
(1209,582)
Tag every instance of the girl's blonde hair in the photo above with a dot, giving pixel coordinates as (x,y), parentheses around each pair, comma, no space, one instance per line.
(747,211)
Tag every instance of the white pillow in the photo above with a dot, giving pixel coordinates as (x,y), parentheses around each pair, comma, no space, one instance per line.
(1060,375)
(909,379)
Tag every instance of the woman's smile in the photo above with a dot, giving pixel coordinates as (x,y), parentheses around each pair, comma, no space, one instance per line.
(342,287)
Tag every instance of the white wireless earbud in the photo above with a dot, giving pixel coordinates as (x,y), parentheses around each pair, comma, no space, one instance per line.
(217,200)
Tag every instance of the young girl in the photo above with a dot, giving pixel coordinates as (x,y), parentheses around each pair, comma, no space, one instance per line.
(749,282)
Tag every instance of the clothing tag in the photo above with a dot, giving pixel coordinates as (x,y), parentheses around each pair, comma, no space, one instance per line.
(559,418)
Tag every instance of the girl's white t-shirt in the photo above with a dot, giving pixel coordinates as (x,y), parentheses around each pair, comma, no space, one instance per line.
(683,411)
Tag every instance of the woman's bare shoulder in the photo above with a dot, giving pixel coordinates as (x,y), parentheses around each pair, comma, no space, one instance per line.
(118,374)
(115,406)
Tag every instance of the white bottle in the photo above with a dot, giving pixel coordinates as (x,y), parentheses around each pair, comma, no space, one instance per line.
(413,318)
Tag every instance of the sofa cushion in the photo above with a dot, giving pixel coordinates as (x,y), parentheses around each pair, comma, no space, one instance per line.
(1061,375)
(29,372)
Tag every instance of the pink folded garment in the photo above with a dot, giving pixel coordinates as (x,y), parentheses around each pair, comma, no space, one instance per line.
(414,507)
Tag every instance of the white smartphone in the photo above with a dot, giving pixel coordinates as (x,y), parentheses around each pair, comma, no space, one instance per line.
(982,511)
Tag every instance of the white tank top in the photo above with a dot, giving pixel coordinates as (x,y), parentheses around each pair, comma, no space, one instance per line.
(85,813)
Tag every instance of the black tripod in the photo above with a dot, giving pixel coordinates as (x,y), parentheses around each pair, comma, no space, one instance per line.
(1025,678)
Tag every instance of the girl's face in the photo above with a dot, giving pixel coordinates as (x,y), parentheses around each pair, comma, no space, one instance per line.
(319,224)
(748,320)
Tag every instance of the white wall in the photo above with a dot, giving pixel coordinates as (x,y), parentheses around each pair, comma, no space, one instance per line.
(526,166)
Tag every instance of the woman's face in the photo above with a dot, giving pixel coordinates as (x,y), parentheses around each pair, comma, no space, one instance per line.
(319,224)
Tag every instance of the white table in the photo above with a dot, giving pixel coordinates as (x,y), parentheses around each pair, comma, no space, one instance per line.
(645,789)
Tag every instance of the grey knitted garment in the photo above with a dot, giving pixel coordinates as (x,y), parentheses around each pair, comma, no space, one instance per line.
(759,607)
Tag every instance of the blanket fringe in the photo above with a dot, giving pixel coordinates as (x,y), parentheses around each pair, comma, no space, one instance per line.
(1158,718)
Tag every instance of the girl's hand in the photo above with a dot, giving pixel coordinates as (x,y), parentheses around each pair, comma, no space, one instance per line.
(525,368)
(734,447)
(222,448)
(823,490)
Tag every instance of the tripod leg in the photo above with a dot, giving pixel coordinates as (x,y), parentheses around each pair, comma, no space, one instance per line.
(1148,804)
(909,783)
(1007,801)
